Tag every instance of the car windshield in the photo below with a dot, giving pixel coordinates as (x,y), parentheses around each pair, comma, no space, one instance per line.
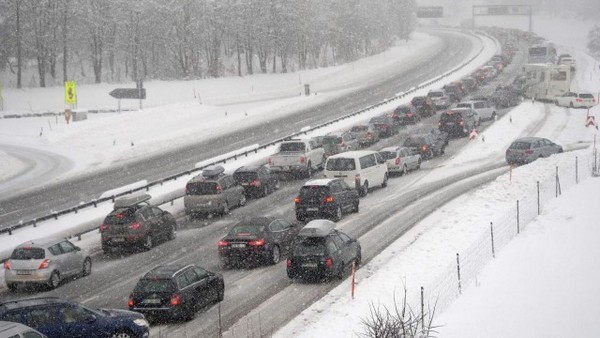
(28,253)
(247,230)
(292,146)
(331,140)
(245,176)
(121,216)
(450,117)
(360,128)
(202,188)
(155,285)
(586,96)
(340,164)
(435,94)
(520,145)
(415,141)
(311,191)
(388,155)
(310,246)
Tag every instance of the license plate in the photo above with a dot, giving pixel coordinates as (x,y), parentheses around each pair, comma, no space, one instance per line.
(118,239)
(238,245)
(23,272)
(309,265)
(312,209)
(151,301)
(449,123)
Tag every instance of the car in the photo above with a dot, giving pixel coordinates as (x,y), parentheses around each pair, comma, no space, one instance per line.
(406,114)
(425,145)
(562,56)
(213,192)
(134,223)
(485,111)
(423,105)
(400,160)
(435,132)
(257,240)
(59,318)
(176,291)
(338,142)
(458,121)
(326,198)
(321,251)
(366,134)
(440,98)
(45,262)
(385,124)
(505,96)
(575,100)
(528,149)
(469,83)
(455,91)
(361,169)
(257,180)
(18,330)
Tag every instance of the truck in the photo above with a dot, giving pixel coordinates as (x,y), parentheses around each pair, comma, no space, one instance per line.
(297,157)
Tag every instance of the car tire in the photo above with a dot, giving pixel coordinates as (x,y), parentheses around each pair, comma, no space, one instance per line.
(242,200)
(385,179)
(571,105)
(419,164)
(442,150)
(277,185)
(337,214)
(172,233)
(494,116)
(275,256)
(12,286)
(556,102)
(122,334)
(365,189)
(87,267)
(340,273)
(356,206)
(221,293)
(149,242)
(404,171)
(225,210)
(107,250)
(265,191)
(54,280)
(358,258)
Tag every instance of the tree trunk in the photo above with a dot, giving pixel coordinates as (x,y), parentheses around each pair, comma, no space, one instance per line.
(239,54)
(19,61)
(64,38)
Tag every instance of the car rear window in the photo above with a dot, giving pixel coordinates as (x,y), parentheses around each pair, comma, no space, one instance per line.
(403,110)
(202,188)
(586,96)
(388,155)
(450,117)
(310,246)
(463,105)
(120,216)
(247,230)
(418,100)
(312,191)
(380,119)
(28,253)
(415,141)
(360,128)
(292,146)
(245,176)
(340,164)
(520,145)
(155,285)
(331,140)
(435,94)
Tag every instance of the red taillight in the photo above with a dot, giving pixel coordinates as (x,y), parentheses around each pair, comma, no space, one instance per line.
(258,242)
(130,303)
(218,188)
(135,226)
(529,152)
(410,114)
(462,122)
(357,179)
(329,199)
(289,262)
(255,183)
(329,263)
(45,263)
(425,147)
(579,100)
(297,200)
(103,227)
(223,244)
(7,265)
(343,144)
(369,135)
(270,161)
(175,299)
(395,115)
(397,160)
(302,159)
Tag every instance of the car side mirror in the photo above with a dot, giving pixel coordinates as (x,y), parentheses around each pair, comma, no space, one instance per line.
(90,319)
(77,248)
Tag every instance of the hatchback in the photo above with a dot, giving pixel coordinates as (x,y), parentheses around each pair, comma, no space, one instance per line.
(45,262)
(59,318)
(257,239)
(529,149)
(134,223)
(176,292)
(365,134)
(425,144)
(385,124)
(257,180)
(440,98)
(330,197)
(424,105)
(321,251)
(18,330)
(213,192)
(458,121)
(400,159)
(575,100)
(339,142)
(406,114)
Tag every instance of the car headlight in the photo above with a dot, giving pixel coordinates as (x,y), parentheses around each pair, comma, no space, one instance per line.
(141,322)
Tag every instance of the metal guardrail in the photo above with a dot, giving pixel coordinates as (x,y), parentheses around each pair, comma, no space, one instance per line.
(95,202)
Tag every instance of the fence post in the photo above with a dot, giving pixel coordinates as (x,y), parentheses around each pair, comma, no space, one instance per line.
(576,170)
(518,225)
(492,233)
(458,271)
(538,197)
(422,309)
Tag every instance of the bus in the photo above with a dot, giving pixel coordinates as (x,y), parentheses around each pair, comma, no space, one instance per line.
(546,81)
(542,53)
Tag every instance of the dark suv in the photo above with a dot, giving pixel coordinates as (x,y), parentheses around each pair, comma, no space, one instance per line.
(329,197)
(257,180)
(57,318)
(425,144)
(321,251)
(424,105)
(385,125)
(458,121)
(176,291)
(134,222)
(406,114)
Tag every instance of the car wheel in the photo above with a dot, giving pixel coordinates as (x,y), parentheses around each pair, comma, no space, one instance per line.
(419,164)
(556,102)
(221,293)
(172,233)
(107,250)
(337,215)
(494,116)
(340,274)
(430,154)
(87,267)
(277,184)
(442,150)
(560,150)
(356,207)
(225,210)
(122,334)
(404,170)
(265,191)
(242,200)
(54,280)
(358,258)
(571,105)
(11,286)
(365,189)
(308,172)
(149,243)
(385,179)
(275,255)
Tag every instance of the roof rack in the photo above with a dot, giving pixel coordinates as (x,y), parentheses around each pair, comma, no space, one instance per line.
(213,171)
(317,228)
(130,201)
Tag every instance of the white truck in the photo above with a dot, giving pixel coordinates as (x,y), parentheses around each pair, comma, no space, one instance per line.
(297,156)
(484,109)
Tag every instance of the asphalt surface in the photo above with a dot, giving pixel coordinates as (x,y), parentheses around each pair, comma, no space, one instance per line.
(38,202)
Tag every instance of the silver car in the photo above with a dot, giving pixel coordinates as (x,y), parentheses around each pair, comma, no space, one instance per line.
(338,142)
(366,134)
(45,262)
(529,149)
(213,192)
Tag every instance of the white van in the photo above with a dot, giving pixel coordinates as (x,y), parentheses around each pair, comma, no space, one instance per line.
(361,169)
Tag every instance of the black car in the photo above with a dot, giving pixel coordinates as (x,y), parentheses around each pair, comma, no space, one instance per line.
(58,318)
(330,198)
(385,125)
(425,144)
(262,239)
(257,180)
(458,121)
(406,114)
(423,105)
(136,223)
(176,292)
(435,132)
(321,251)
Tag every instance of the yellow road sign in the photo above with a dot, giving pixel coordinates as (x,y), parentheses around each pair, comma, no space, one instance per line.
(70,92)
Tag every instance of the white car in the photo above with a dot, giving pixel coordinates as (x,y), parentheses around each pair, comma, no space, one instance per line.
(575,100)
(400,160)
(484,109)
